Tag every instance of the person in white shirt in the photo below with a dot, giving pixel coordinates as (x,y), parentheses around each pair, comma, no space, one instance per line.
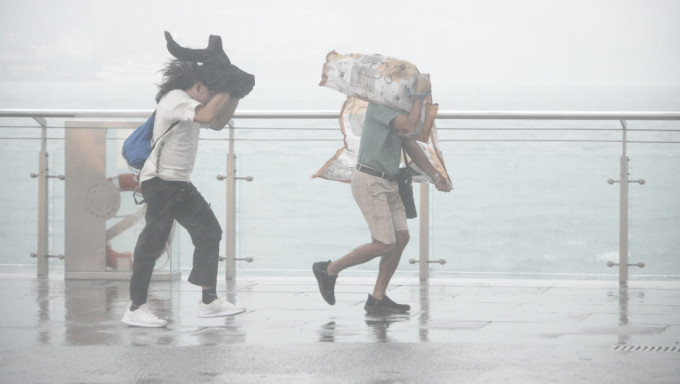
(185,97)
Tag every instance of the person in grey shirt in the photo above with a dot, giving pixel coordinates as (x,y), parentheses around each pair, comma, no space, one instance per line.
(376,191)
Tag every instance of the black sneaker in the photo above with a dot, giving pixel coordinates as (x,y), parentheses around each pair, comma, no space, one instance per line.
(326,282)
(400,307)
(386,305)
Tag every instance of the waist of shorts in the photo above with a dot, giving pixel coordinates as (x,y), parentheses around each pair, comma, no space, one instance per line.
(374,172)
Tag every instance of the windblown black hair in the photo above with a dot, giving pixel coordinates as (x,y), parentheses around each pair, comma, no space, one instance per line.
(214,67)
(177,74)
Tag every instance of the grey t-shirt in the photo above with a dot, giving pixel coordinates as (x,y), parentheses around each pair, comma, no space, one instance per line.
(380,146)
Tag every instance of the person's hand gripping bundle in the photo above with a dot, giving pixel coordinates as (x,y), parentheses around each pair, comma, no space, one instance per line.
(215,68)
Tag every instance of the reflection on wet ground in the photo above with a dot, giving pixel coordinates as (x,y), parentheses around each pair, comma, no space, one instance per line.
(482,331)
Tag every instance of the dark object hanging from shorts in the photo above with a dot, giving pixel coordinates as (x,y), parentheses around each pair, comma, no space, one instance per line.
(406,192)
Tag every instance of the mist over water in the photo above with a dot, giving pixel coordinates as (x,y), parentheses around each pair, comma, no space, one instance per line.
(109,52)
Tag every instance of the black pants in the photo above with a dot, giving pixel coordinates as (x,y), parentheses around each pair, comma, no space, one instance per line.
(167,201)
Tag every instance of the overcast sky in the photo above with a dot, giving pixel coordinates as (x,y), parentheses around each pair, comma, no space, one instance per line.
(473,42)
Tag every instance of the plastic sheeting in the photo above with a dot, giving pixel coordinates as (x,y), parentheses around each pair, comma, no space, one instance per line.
(382,80)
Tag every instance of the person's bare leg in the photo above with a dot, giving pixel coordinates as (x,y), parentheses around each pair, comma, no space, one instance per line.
(359,255)
(388,265)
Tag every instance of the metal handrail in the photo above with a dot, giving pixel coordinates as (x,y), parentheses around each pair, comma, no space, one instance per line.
(329,114)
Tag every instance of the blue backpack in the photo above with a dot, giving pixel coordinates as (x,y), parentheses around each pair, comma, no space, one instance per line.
(137,147)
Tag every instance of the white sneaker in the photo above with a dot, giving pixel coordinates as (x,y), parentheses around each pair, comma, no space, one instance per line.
(142,317)
(218,307)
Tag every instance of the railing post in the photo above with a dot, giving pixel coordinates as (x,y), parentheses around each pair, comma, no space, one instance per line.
(623,211)
(43,203)
(230,259)
(424,232)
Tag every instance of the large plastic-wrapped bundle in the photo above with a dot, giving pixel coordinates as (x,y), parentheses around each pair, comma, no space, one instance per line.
(382,80)
(342,164)
(379,79)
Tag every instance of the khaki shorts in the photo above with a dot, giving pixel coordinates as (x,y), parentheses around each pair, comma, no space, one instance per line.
(381,205)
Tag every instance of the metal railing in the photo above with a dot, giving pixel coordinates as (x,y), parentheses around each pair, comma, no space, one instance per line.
(41,117)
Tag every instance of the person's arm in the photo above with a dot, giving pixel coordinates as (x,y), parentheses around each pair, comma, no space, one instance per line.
(405,123)
(208,113)
(227,113)
(409,123)
(413,149)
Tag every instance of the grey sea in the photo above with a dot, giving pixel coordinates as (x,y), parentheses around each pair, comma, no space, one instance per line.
(526,202)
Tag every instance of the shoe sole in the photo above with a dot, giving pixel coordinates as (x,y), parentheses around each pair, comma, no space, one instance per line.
(143,325)
(221,314)
(385,311)
(317,273)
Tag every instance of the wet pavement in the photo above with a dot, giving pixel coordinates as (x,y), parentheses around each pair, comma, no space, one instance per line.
(458,331)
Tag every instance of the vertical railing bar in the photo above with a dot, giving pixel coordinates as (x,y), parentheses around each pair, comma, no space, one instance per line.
(623,209)
(230,260)
(43,202)
(424,232)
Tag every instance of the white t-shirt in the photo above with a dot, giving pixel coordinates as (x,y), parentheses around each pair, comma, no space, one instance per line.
(173,157)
